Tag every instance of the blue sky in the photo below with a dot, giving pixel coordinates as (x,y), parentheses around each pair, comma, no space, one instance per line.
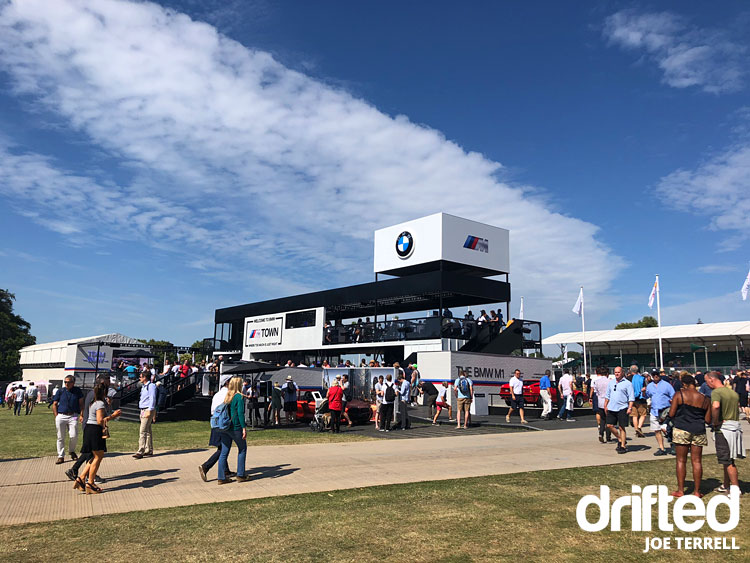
(160,161)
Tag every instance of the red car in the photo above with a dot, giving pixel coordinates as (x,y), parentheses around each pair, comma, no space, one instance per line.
(360,412)
(532,397)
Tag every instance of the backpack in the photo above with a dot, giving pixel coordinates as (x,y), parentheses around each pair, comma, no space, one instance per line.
(221,418)
(390,393)
(463,386)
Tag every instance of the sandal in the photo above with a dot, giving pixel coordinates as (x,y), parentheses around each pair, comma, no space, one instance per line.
(92,489)
(678,494)
(698,494)
(79,485)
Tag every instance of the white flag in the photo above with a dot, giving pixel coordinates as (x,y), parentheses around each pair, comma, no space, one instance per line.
(745,287)
(652,296)
(578,307)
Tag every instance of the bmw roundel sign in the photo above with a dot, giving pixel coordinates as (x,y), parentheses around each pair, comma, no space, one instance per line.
(404,245)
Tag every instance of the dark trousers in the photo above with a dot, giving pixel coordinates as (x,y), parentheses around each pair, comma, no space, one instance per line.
(29,406)
(17,408)
(211,461)
(603,424)
(336,421)
(83,458)
(386,415)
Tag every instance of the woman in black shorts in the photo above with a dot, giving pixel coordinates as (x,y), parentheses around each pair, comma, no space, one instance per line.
(94,441)
(690,411)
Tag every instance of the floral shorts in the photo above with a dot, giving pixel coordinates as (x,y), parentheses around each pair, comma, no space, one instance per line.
(685,438)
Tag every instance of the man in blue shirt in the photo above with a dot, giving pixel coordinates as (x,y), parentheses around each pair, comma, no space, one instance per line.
(463,388)
(618,404)
(660,392)
(67,407)
(640,406)
(403,402)
(147,404)
(544,392)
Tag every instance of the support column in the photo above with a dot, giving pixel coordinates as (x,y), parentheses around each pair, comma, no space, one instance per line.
(705,350)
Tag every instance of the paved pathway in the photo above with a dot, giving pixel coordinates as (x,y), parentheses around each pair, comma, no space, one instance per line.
(35,490)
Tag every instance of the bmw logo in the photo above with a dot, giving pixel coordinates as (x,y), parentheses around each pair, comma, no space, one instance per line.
(404,245)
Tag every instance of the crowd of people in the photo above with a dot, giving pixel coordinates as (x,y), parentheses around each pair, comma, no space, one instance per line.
(17,397)
(680,407)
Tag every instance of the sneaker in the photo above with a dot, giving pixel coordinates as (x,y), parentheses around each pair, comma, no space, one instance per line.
(381,430)
(70,474)
(621,450)
(570,420)
(660,452)
(98,479)
(138,456)
(225,481)
(242,479)
(721,489)
(202,472)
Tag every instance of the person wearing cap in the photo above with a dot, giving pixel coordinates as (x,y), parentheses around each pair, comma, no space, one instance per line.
(618,404)
(516,396)
(335,397)
(725,419)
(289,391)
(215,439)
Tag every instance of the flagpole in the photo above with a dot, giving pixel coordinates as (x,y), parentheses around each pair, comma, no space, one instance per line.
(658,320)
(583,328)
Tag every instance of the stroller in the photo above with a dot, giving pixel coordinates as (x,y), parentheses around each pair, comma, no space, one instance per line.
(322,419)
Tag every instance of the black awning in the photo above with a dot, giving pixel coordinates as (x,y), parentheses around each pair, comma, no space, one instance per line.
(418,292)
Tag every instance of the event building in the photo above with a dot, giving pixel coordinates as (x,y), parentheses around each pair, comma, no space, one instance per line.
(429,273)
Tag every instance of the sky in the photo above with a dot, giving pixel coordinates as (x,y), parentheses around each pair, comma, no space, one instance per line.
(160,161)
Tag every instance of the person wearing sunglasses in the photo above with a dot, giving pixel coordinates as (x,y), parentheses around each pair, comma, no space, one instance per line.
(618,405)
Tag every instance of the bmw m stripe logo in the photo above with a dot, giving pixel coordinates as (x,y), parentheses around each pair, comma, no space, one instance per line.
(476,243)
(404,245)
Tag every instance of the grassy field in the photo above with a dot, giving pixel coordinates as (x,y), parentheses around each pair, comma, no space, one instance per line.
(35,435)
(526,516)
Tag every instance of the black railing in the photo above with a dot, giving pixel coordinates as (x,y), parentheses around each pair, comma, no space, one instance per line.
(172,391)
(403,329)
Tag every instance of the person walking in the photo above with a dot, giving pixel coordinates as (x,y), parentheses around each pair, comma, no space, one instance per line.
(404,399)
(215,437)
(463,388)
(20,393)
(147,404)
(67,408)
(347,390)
(276,404)
(94,441)
(32,394)
(640,408)
(516,396)
(390,396)
(429,395)
(600,385)
(661,393)
(618,404)
(725,419)
(379,388)
(442,402)
(335,398)
(290,399)
(565,390)
(236,433)
(741,386)
(72,473)
(544,392)
(690,411)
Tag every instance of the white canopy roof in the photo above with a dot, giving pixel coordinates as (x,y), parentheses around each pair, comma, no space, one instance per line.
(720,336)
(115,338)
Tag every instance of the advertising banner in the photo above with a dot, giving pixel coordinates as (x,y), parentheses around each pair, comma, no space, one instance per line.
(263,331)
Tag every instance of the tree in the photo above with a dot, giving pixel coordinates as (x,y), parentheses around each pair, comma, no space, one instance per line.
(199,357)
(645,322)
(157,347)
(572,355)
(14,335)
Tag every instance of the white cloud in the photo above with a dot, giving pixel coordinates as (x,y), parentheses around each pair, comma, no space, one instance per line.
(302,172)
(723,308)
(687,55)
(718,189)
(717,269)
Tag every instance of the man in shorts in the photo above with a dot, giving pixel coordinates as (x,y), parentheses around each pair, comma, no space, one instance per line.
(516,396)
(640,407)
(660,392)
(442,402)
(463,388)
(429,395)
(379,401)
(618,404)
(725,419)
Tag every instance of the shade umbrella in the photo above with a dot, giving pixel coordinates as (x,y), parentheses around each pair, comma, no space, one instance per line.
(135,354)
(253,366)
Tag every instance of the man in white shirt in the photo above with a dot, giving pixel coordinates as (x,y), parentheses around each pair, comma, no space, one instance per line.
(20,393)
(442,402)
(565,390)
(32,393)
(516,396)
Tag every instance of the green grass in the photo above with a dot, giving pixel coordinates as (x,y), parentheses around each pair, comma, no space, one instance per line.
(35,435)
(526,516)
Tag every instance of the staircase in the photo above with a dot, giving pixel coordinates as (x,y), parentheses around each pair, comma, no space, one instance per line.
(177,397)
(517,336)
